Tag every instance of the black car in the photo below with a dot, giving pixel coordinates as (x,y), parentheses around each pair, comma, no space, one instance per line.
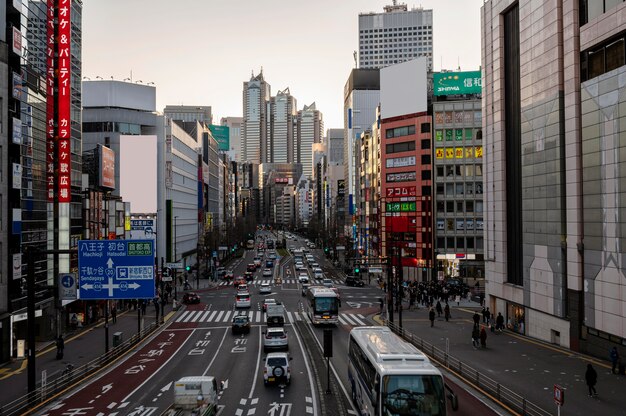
(354,281)
(190,298)
(241,324)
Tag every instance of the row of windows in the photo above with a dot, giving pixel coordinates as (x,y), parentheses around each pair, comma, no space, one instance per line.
(456,189)
(458,117)
(590,9)
(460,242)
(603,58)
(459,171)
(459,207)
(398,29)
(366,63)
(111,127)
(400,147)
(457,134)
(460,224)
(417,35)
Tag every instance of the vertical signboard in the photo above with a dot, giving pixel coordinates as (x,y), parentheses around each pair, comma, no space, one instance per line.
(107,167)
(64,99)
(50,164)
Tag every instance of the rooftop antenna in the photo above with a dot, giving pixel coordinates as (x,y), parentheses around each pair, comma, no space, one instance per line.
(354,56)
(458,63)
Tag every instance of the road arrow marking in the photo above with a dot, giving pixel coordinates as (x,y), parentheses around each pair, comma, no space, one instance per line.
(166,387)
(225,384)
(107,387)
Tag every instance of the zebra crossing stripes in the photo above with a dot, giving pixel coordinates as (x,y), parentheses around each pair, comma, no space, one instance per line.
(258,317)
(271,282)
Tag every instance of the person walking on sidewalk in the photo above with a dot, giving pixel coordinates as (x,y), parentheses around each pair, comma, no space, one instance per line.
(475,336)
(60,343)
(591,378)
(476,319)
(614,356)
(431,316)
(483,337)
(439,310)
(500,322)
(446,312)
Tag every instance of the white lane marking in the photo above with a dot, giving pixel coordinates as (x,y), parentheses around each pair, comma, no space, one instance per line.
(308,399)
(251,316)
(361,316)
(357,320)
(181,317)
(309,409)
(251,411)
(258,361)
(211,316)
(254,401)
(289,317)
(226,316)
(216,352)
(243,402)
(219,316)
(238,412)
(204,316)
(189,316)
(258,316)
(112,405)
(342,320)
(308,369)
(123,405)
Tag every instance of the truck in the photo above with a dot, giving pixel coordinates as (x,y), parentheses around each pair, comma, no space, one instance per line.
(275,315)
(194,395)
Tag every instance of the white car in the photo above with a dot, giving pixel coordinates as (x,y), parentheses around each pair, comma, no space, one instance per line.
(299,266)
(276,368)
(275,338)
(327,282)
(267,272)
(265,288)
(314,265)
(303,278)
(318,273)
(242,300)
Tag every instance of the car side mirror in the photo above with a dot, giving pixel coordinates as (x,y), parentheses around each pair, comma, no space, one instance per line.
(454,401)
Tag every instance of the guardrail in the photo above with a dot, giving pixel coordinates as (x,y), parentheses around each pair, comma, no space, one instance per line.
(61,380)
(508,397)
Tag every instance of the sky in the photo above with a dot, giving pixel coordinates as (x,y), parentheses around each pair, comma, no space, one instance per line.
(199,52)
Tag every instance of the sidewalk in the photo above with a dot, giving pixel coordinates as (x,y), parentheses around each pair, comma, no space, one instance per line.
(525,365)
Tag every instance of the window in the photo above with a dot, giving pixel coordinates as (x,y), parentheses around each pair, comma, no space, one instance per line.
(426,143)
(426,190)
(460,242)
(426,176)
(400,131)
(425,159)
(425,128)
(400,147)
(479,170)
(440,171)
(440,191)
(469,206)
(459,207)
(603,58)
(450,207)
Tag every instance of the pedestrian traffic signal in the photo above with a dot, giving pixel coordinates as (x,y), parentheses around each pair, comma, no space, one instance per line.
(187,268)
(357,270)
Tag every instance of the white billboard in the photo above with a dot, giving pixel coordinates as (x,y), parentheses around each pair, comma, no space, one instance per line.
(138,172)
(403,88)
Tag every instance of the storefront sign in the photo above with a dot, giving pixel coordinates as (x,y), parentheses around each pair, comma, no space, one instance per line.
(398,191)
(17,266)
(400,162)
(401,206)
(401,177)
(50,139)
(17,176)
(64,99)
(17,131)
(17,41)
(107,167)
(281,180)
(454,83)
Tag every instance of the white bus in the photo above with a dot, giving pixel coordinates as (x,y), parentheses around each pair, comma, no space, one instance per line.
(322,305)
(390,377)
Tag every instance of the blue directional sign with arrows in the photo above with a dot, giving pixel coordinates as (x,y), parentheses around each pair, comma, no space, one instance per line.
(116,269)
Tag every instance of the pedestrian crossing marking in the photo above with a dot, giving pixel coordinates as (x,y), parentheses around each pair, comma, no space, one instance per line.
(290,281)
(258,317)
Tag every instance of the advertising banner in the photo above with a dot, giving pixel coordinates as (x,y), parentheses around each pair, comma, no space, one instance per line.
(222,135)
(401,177)
(400,191)
(341,187)
(64,99)
(401,206)
(107,167)
(454,83)
(50,139)
(17,86)
(17,41)
(400,162)
(439,153)
(17,131)
(17,176)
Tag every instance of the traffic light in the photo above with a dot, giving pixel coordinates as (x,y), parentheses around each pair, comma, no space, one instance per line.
(325,249)
(357,270)
(187,268)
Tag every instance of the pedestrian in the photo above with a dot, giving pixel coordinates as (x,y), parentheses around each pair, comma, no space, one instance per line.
(381,304)
(614,355)
(439,310)
(431,316)
(500,322)
(144,305)
(458,300)
(114,313)
(475,336)
(591,378)
(446,311)
(488,316)
(483,337)
(476,319)
(484,315)
(60,343)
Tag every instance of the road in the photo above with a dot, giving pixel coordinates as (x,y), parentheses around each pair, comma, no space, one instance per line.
(198,341)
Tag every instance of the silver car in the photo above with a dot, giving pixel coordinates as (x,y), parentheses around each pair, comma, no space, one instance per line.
(275,338)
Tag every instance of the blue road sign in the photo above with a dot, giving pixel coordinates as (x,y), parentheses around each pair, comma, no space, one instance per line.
(116,269)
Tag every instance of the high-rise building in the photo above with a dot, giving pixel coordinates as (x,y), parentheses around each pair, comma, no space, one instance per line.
(256,98)
(395,36)
(200,113)
(310,130)
(280,143)
(555,160)
(234,125)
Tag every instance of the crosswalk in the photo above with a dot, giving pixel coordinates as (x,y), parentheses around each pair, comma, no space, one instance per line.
(352,319)
(271,281)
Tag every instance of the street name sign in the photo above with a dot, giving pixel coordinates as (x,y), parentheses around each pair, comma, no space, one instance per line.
(116,269)
(177,265)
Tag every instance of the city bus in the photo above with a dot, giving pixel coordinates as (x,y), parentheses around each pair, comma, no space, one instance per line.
(390,376)
(322,305)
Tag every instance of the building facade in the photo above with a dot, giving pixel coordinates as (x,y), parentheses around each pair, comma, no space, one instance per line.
(200,113)
(310,130)
(395,36)
(234,125)
(553,234)
(256,98)
(281,128)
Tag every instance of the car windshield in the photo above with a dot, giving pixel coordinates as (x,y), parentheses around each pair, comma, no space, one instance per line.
(413,395)
(246,297)
(275,334)
(276,361)
(241,319)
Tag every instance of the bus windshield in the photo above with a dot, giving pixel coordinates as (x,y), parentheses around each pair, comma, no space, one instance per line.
(413,395)
(326,305)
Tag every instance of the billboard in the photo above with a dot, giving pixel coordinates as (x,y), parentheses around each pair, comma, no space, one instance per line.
(222,135)
(454,83)
(107,167)
(400,191)
(64,103)
(401,177)
(400,162)
(138,184)
(403,88)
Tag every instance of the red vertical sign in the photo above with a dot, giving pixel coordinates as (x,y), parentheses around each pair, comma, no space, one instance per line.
(64,99)
(50,100)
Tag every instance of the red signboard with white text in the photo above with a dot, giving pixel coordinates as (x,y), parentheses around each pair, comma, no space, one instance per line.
(64,99)
(50,139)
(400,191)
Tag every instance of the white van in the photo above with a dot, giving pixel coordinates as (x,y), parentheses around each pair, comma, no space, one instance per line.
(187,390)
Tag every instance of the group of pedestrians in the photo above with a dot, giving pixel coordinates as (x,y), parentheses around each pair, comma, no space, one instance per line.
(479,334)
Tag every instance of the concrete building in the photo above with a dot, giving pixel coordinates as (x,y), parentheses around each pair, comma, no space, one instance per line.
(303,196)
(395,36)
(235,125)
(273,178)
(281,128)
(256,98)
(200,113)
(553,98)
(368,193)
(310,131)
(458,175)
(361,97)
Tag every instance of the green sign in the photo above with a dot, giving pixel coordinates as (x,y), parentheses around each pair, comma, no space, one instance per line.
(222,135)
(401,206)
(140,249)
(454,83)
(439,135)
(458,134)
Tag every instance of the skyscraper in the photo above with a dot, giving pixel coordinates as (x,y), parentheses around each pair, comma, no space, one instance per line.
(310,130)
(283,113)
(395,36)
(256,98)
(234,125)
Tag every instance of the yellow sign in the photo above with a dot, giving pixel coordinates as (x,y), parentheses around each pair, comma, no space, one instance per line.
(126,223)
(479,151)
(469,153)
(439,153)
(449,153)
(458,152)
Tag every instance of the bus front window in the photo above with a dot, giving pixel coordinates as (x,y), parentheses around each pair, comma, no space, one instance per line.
(326,305)
(413,395)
